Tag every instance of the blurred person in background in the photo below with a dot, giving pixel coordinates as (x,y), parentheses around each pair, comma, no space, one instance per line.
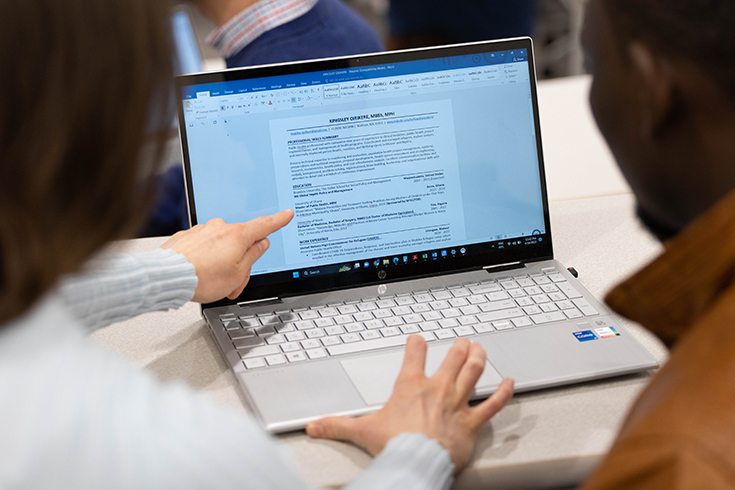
(257,32)
(85,81)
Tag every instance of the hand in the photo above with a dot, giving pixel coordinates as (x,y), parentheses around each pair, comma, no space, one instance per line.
(437,407)
(223,254)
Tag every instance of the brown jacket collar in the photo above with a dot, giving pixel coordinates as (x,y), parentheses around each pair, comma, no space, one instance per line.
(698,265)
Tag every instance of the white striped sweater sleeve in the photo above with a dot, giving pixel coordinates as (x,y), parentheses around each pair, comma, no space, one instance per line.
(115,287)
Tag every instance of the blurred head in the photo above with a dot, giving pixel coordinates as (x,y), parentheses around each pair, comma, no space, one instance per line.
(82,83)
(663,96)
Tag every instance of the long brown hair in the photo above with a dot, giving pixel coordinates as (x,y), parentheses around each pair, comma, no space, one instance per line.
(83,86)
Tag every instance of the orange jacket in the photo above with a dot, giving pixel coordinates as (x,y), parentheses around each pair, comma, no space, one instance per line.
(680,433)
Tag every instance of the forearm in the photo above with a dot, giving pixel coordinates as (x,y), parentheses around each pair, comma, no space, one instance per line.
(116,287)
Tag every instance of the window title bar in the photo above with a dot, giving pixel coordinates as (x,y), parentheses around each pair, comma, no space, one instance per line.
(302,80)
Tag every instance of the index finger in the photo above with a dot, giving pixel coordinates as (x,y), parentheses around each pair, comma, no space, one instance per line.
(259,228)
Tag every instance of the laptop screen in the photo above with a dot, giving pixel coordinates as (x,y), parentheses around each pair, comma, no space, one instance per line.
(407,163)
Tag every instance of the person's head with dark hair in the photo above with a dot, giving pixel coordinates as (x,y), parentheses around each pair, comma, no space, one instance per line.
(701,31)
(81,82)
(664,98)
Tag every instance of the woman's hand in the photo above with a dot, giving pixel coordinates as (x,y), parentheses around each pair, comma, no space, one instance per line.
(437,407)
(223,254)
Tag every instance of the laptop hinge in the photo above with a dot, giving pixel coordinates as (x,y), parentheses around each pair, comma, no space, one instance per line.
(503,267)
(259,302)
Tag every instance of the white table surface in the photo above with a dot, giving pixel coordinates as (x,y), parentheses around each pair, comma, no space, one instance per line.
(545,439)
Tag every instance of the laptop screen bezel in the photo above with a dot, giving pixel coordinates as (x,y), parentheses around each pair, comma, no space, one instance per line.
(262,287)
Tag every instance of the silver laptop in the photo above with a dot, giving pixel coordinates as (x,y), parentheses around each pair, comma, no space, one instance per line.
(417,180)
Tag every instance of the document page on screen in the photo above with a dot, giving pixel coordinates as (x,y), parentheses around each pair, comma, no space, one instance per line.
(373,183)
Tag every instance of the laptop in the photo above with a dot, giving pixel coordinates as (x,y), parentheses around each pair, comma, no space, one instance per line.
(417,181)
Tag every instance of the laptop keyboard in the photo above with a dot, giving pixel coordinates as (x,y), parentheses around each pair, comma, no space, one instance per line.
(276,338)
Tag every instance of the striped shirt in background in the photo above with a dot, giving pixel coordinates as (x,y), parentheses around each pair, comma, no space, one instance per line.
(232,36)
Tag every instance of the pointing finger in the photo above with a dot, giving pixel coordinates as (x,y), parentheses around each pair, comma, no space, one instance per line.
(259,228)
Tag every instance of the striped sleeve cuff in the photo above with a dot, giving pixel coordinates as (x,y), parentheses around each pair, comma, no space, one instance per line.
(408,462)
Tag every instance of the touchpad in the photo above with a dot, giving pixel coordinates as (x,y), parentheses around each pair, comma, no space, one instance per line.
(374,376)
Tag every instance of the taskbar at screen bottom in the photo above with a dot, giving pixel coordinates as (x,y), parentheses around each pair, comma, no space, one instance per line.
(405,260)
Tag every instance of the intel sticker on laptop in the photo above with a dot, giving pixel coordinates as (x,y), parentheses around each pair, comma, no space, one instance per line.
(585,336)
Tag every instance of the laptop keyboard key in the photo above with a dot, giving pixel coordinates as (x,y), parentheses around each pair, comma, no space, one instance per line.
(288,317)
(401,310)
(290,347)
(457,302)
(327,312)
(445,334)
(275,339)
(295,336)
(522,322)
(342,319)
(366,345)
(246,333)
(265,350)
(464,331)
(405,301)
(309,315)
(548,317)
(442,295)
(393,321)
(310,344)
(296,356)
(439,305)
(429,326)
(324,322)
(315,333)
(336,330)
(316,353)
(370,335)
(573,314)
(270,320)
(385,303)
(449,323)
(254,363)
(585,307)
(354,327)
(569,290)
(363,316)
(369,306)
(327,341)
(349,338)
(348,309)
(420,308)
